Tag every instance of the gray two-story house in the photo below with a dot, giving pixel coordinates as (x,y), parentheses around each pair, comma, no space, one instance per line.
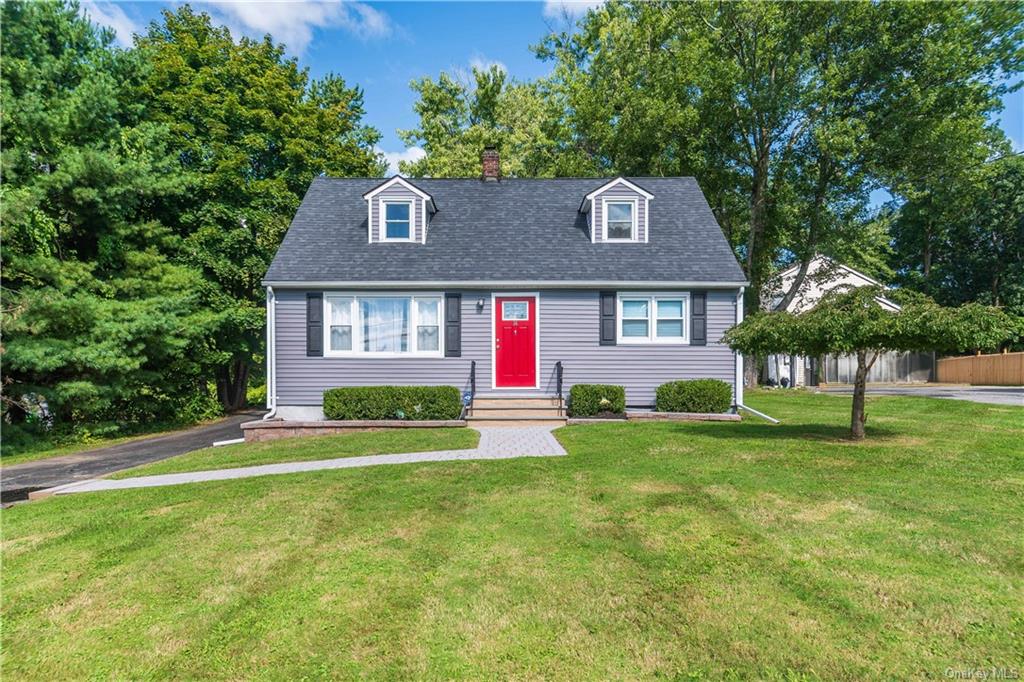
(505,287)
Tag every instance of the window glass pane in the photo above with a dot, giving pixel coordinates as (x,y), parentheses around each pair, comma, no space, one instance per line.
(397,212)
(670,308)
(428,310)
(635,308)
(670,329)
(385,323)
(340,310)
(620,212)
(427,338)
(341,337)
(397,221)
(515,310)
(634,328)
(620,231)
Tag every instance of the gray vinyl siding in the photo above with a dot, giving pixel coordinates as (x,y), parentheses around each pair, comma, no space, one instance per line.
(619,192)
(568,333)
(401,193)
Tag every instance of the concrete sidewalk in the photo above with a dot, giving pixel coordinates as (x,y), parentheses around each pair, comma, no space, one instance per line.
(495,443)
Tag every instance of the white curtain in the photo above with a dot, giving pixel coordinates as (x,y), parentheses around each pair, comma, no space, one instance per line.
(385,324)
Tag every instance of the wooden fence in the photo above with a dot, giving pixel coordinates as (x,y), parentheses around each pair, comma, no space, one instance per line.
(1003,369)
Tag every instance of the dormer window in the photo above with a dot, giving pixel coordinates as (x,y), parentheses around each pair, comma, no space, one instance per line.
(620,220)
(397,220)
(398,211)
(618,211)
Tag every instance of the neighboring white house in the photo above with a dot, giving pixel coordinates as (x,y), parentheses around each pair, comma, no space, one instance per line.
(825,275)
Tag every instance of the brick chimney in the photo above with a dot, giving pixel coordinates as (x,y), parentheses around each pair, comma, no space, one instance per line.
(491,162)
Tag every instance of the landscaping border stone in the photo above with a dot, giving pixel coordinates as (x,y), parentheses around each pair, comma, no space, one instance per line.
(259,431)
(660,416)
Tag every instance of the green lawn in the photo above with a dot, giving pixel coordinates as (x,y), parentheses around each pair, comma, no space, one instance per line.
(383,441)
(673,550)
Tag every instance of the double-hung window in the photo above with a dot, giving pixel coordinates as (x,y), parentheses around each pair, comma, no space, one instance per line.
(397,220)
(384,325)
(653,318)
(620,220)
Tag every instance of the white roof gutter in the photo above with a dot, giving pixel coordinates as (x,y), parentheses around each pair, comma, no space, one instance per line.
(477,284)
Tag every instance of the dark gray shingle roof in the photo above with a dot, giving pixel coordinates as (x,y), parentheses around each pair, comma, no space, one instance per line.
(513,230)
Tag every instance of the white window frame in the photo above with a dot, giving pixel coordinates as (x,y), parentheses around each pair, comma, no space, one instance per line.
(635,233)
(357,325)
(384,203)
(652,319)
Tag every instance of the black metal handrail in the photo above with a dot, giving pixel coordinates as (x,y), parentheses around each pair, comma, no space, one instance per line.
(472,378)
(558,383)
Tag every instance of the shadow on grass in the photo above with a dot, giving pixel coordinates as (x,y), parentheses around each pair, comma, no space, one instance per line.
(765,431)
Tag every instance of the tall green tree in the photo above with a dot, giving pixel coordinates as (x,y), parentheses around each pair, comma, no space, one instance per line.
(788,113)
(458,118)
(964,241)
(99,322)
(254,130)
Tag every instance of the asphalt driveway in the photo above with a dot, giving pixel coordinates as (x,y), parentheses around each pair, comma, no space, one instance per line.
(994,395)
(18,480)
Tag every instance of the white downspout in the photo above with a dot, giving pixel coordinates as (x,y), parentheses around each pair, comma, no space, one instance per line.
(739,369)
(271,355)
(738,380)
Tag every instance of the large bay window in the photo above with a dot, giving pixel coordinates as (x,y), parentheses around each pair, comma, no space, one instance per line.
(382,325)
(653,318)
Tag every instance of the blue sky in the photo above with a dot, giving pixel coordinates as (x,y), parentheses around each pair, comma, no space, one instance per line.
(382,46)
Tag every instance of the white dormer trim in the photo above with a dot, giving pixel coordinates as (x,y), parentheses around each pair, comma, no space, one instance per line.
(398,180)
(608,185)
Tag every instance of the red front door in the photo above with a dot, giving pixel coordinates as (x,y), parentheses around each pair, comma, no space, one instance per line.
(515,342)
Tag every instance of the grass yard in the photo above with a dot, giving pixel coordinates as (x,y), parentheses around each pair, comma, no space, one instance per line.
(674,550)
(384,441)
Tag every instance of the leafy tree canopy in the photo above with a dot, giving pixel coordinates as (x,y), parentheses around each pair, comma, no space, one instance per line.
(851,322)
(99,321)
(253,130)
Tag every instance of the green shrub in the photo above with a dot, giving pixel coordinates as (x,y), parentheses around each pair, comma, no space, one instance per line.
(416,403)
(587,400)
(256,396)
(709,396)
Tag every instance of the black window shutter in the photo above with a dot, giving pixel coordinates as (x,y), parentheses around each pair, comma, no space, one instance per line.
(698,318)
(607,318)
(315,325)
(453,325)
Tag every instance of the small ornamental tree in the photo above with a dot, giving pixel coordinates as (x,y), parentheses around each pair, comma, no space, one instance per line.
(853,323)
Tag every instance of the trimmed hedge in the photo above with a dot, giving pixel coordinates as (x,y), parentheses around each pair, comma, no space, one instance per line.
(708,396)
(417,403)
(588,400)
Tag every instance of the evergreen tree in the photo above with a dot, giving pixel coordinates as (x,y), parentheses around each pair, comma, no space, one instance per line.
(99,323)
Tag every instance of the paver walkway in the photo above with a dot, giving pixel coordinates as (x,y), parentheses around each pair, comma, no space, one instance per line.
(495,443)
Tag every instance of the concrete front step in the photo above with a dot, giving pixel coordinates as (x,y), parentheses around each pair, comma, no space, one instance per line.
(515,421)
(517,412)
(515,402)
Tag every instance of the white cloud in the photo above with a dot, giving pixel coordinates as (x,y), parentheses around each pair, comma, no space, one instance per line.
(393,158)
(113,15)
(293,23)
(481,63)
(569,9)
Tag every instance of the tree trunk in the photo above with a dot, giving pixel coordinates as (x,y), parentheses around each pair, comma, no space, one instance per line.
(860,380)
(232,382)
